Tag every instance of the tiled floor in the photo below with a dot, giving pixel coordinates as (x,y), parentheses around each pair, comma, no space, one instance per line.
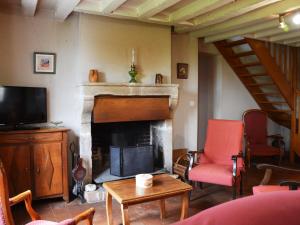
(142,214)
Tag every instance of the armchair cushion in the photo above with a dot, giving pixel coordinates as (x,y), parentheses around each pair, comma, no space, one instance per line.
(276,208)
(223,140)
(212,173)
(268,188)
(264,150)
(45,222)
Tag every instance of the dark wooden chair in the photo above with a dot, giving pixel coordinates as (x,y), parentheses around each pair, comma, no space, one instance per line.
(6,217)
(277,178)
(256,135)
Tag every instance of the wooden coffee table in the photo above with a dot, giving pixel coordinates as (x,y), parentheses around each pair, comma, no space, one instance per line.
(126,193)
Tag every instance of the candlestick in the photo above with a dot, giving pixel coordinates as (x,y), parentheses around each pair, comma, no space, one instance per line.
(132,56)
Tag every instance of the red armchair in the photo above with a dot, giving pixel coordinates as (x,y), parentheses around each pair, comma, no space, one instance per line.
(255,121)
(277,178)
(276,208)
(6,217)
(218,163)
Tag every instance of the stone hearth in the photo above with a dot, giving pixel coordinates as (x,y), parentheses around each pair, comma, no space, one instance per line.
(164,128)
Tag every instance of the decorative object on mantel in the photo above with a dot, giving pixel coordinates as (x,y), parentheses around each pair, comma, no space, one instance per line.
(132,72)
(78,174)
(158,78)
(182,70)
(44,62)
(93,76)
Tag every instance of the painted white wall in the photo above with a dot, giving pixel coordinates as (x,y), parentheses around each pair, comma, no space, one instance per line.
(185,50)
(21,36)
(82,42)
(231,98)
(106,44)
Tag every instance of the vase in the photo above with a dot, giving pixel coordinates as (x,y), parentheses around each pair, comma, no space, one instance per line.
(93,76)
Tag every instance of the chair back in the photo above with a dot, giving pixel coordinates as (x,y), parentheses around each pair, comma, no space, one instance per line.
(224,139)
(5,211)
(255,121)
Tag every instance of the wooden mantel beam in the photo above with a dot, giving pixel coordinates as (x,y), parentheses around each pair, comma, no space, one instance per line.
(151,7)
(29,7)
(65,8)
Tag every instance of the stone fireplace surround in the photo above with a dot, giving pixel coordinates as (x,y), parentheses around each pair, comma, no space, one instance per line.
(90,90)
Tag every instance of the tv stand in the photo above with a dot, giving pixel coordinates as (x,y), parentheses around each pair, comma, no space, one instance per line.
(39,159)
(18,127)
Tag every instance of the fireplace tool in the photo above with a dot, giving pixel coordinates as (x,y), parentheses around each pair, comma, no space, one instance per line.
(78,174)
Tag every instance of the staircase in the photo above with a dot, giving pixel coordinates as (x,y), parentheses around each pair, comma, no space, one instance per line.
(266,71)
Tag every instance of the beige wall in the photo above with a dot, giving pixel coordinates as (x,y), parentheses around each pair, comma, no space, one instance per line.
(20,37)
(105,44)
(185,50)
(230,97)
(81,43)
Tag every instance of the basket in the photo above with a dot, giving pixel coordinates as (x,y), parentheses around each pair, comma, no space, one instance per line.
(181,165)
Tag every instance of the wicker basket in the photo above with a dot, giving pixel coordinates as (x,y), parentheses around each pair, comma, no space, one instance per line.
(181,165)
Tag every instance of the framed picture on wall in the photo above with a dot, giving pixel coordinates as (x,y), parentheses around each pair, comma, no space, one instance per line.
(182,70)
(44,63)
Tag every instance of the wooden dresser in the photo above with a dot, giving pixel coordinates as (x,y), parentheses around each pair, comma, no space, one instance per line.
(36,160)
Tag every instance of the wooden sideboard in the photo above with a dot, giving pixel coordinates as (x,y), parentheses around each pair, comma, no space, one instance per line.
(36,160)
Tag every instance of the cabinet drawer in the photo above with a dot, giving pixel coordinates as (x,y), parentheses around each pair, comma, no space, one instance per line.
(26,138)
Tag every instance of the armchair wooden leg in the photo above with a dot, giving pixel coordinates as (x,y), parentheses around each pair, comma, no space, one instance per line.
(234,191)
(241,184)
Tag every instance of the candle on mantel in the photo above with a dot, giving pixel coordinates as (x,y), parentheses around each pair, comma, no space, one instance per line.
(132,56)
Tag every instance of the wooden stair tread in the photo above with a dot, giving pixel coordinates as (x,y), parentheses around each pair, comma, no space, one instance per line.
(254,75)
(274,103)
(235,43)
(277,110)
(267,93)
(248,65)
(242,54)
(262,84)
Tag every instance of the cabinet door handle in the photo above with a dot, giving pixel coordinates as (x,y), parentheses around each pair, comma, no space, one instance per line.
(38,170)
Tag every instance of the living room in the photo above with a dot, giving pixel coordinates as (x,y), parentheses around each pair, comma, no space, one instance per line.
(109,42)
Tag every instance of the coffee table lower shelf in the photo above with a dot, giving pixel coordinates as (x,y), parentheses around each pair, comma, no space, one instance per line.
(127,194)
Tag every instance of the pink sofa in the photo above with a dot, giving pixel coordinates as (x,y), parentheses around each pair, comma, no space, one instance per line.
(275,208)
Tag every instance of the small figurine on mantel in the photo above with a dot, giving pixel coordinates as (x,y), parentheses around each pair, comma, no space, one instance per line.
(132,72)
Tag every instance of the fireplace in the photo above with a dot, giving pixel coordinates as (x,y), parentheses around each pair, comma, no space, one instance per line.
(127,117)
(125,149)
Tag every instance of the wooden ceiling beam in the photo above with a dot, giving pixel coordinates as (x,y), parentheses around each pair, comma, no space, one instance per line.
(291,41)
(246,30)
(286,36)
(226,12)
(29,7)
(272,10)
(196,8)
(108,6)
(276,30)
(152,7)
(65,8)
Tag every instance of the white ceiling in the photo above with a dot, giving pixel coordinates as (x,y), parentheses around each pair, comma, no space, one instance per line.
(211,20)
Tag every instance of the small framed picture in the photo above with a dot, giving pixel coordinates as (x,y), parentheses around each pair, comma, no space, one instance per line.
(182,70)
(44,62)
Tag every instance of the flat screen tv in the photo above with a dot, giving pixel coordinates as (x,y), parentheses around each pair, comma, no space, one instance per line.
(22,105)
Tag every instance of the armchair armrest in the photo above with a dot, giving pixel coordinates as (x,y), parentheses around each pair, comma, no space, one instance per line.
(293,185)
(235,158)
(193,157)
(86,215)
(275,136)
(27,198)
